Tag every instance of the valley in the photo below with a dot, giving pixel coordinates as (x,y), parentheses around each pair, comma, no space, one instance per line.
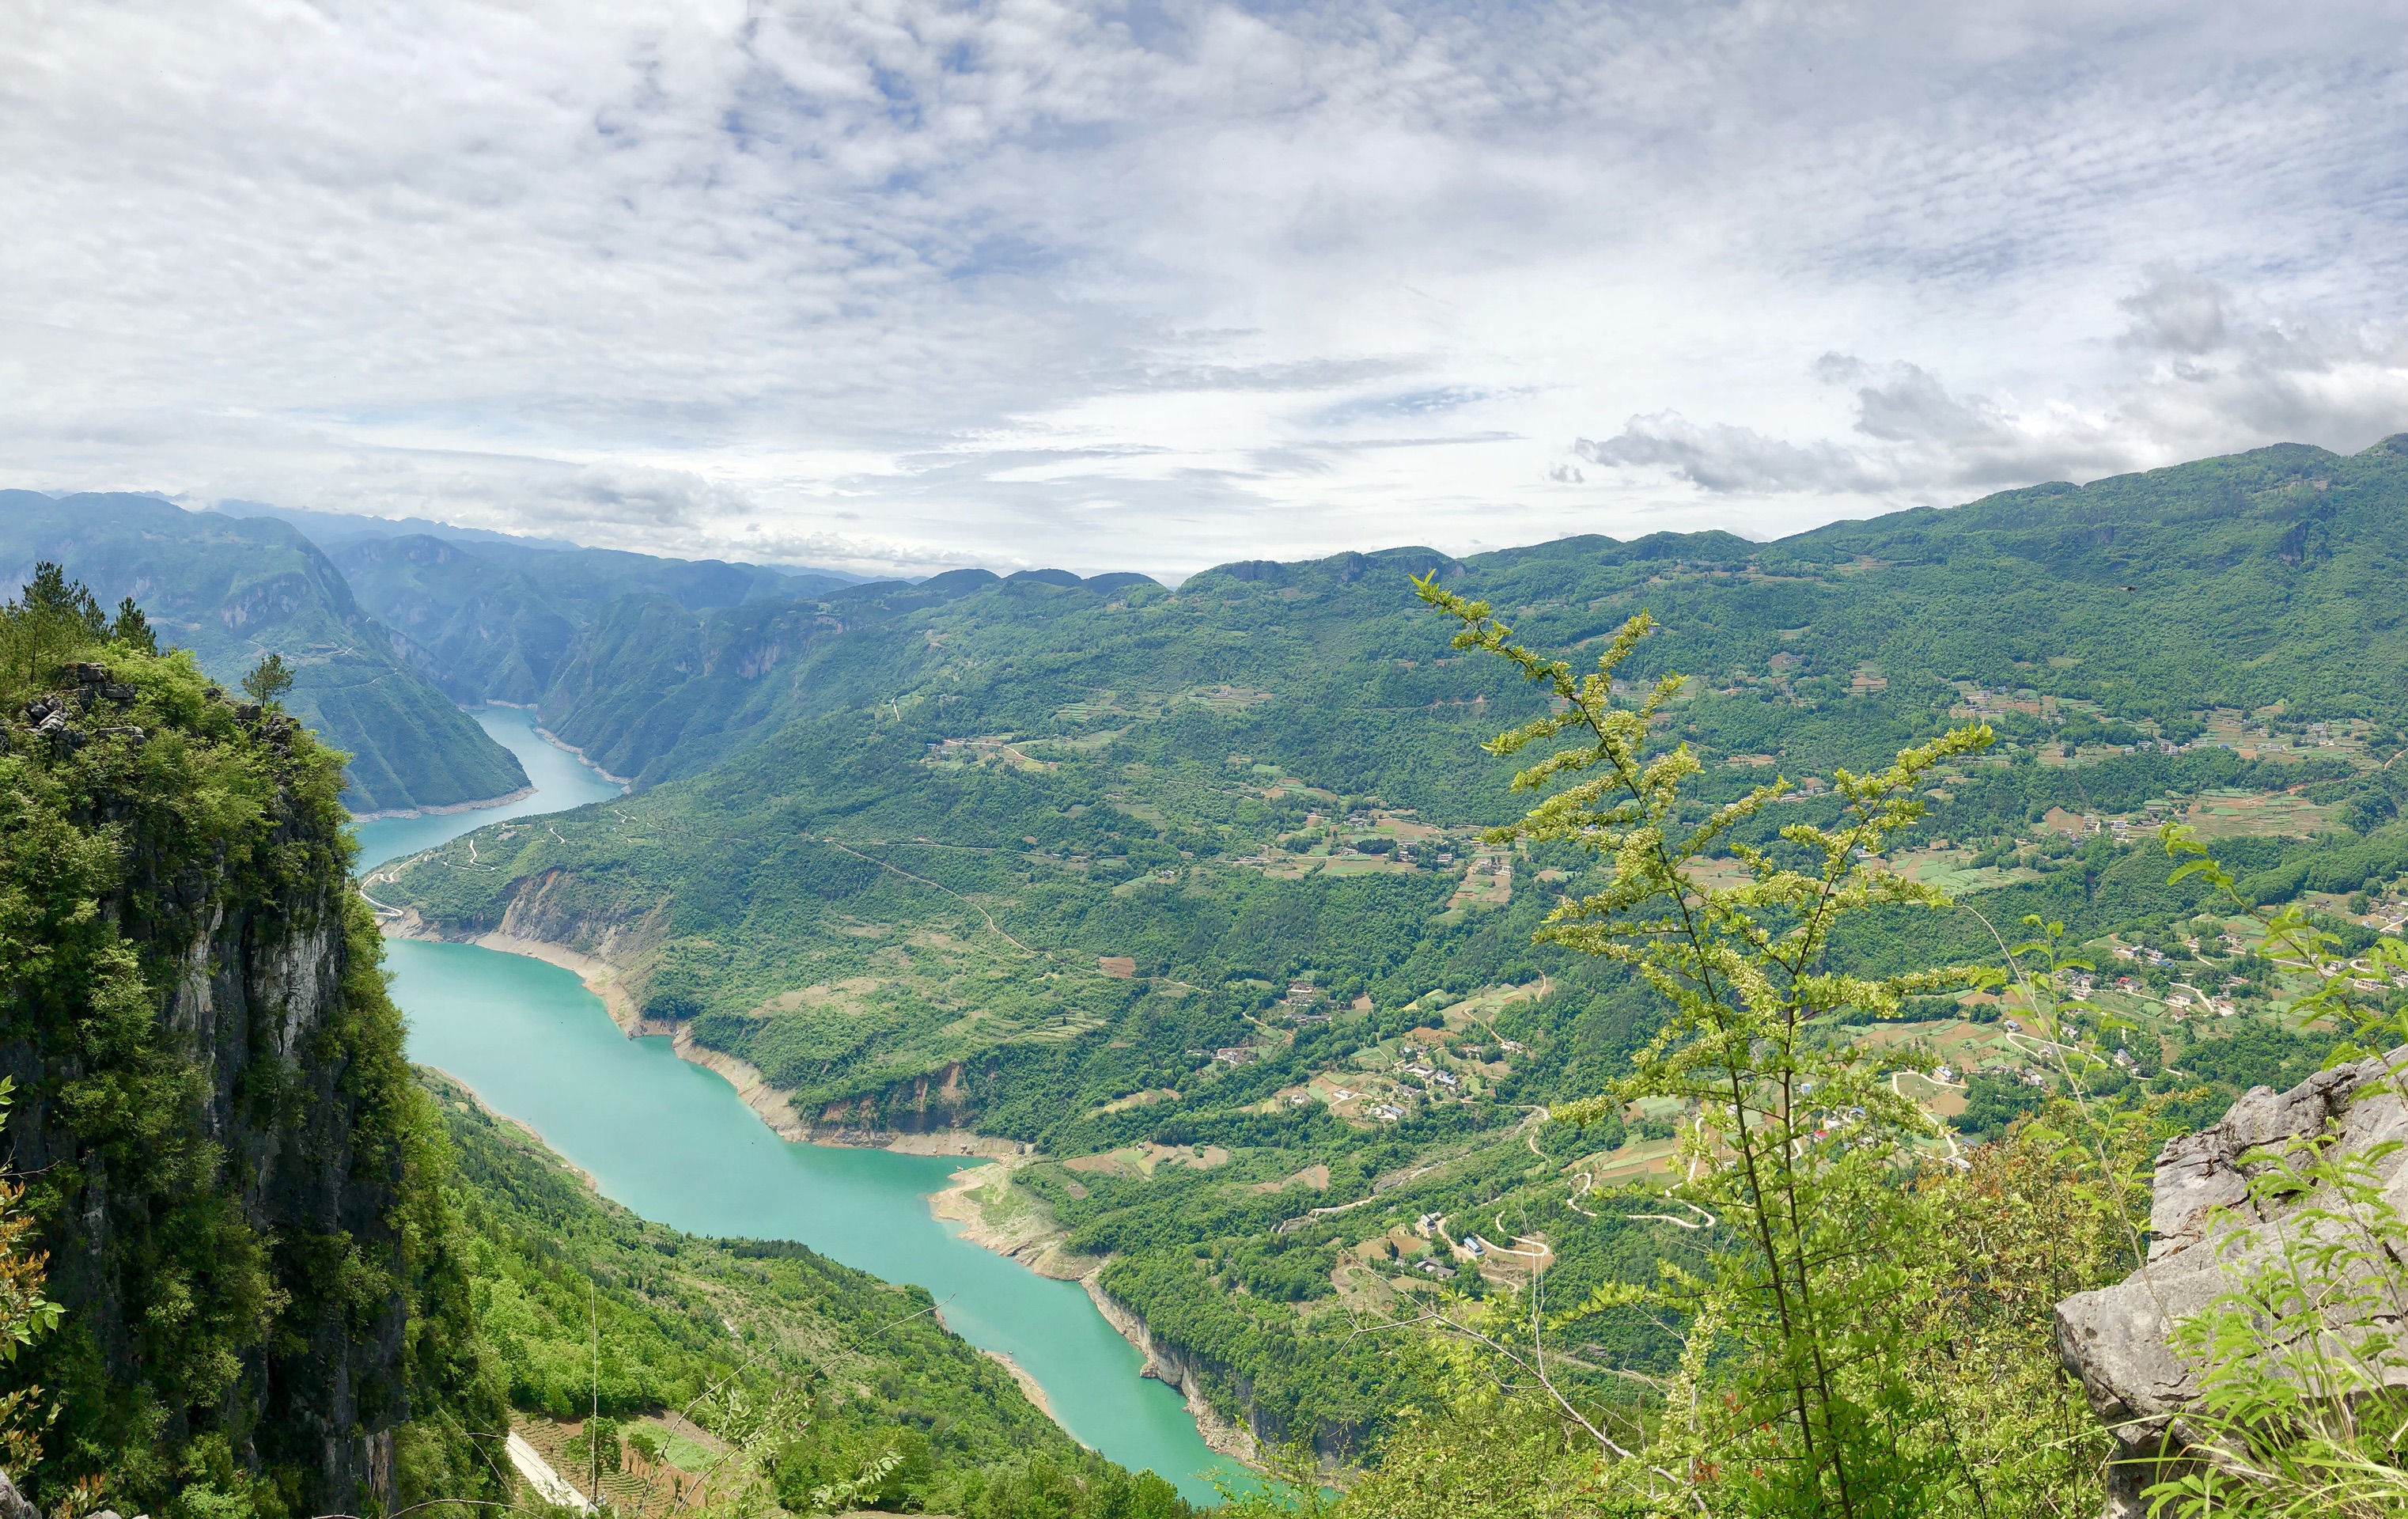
(1187,891)
(673,1142)
(1145,976)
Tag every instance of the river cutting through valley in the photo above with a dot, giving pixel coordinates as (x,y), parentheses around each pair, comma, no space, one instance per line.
(674,1142)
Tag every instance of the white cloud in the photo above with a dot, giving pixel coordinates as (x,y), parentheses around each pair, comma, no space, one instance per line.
(901,282)
(2175,311)
(1719,456)
(2211,378)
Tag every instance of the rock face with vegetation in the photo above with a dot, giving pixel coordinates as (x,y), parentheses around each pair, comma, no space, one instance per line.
(212,1111)
(2214,1222)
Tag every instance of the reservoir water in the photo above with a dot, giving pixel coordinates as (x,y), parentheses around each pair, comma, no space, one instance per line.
(561,781)
(675,1143)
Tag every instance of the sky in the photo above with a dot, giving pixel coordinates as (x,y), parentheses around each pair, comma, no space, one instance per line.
(894,286)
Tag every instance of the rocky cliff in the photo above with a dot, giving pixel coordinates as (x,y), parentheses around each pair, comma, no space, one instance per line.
(2206,1228)
(214,1114)
(1186,1371)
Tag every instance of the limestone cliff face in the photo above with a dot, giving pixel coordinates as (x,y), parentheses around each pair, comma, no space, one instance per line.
(2203,1226)
(932,1102)
(1186,1369)
(211,1106)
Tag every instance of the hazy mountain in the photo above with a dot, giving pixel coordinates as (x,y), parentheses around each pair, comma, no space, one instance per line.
(497,617)
(331,530)
(336,530)
(232,590)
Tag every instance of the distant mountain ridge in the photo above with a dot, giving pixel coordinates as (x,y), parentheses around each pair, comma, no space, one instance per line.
(334,530)
(232,590)
(2230,582)
(661,668)
(499,621)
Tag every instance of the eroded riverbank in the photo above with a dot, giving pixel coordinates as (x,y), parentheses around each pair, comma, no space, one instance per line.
(987,1210)
(672,1139)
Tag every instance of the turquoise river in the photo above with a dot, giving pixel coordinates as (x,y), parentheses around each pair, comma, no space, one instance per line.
(673,1142)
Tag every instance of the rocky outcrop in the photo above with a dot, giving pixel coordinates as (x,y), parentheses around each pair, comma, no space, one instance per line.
(13,1504)
(932,1102)
(2118,1340)
(1169,1365)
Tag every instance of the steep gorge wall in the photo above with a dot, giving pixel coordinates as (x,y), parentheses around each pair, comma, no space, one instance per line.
(213,1109)
(1186,1369)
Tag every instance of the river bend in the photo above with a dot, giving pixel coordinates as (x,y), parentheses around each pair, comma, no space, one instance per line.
(673,1142)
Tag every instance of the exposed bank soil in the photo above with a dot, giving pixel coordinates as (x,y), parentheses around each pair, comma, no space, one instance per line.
(601,978)
(557,742)
(1003,1218)
(993,1215)
(767,1101)
(1030,1387)
(448,1086)
(996,1215)
(1230,1440)
(448,809)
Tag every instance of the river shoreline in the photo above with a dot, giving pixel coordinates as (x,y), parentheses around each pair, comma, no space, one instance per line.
(593,1184)
(989,1216)
(557,742)
(447,808)
(1223,1436)
(601,978)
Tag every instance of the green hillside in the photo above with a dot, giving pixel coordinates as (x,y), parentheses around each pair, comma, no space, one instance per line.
(250,1270)
(2157,600)
(1186,888)
(578,1302)
(233,590)
(497,619)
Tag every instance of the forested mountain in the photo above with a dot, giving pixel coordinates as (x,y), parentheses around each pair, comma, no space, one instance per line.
(498,618)
(233,590)
(656,690)
(2230,583)
(1186,888)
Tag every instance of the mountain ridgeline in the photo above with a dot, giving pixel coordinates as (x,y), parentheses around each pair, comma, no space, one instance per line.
(2227,584)
(1187,888)
(1192,891)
